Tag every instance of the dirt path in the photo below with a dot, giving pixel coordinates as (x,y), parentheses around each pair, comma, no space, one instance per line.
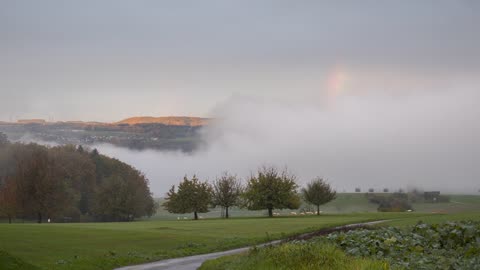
(194,262)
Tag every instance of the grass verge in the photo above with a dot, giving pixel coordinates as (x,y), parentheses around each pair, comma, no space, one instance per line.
(299,256)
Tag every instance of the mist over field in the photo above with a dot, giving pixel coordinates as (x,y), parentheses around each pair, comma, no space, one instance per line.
(427,140)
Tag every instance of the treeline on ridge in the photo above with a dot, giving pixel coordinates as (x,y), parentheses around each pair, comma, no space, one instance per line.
(69,183)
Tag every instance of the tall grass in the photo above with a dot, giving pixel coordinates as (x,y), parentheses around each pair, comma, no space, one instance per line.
(294,256)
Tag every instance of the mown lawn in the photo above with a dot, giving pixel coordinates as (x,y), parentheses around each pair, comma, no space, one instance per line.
(108,245)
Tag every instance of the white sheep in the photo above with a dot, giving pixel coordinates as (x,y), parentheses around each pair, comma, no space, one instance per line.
(293,213)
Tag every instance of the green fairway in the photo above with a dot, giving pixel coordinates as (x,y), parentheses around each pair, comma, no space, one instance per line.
(106,245)
(109,245)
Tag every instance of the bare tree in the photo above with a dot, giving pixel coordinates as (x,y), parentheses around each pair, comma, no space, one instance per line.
(226,192)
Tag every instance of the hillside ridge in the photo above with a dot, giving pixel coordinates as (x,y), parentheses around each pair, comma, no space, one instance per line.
(136,120)
(166,120)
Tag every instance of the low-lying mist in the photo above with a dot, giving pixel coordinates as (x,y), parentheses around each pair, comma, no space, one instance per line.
(427,140)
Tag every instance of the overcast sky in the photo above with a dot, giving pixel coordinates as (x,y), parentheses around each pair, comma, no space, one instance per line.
(363,93)
(106,60)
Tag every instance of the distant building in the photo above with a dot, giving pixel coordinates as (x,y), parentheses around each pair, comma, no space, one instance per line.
(431,196)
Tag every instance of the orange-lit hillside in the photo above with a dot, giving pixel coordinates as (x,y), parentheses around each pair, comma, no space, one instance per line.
(169,120)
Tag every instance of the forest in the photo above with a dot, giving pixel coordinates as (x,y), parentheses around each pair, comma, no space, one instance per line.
(69,184)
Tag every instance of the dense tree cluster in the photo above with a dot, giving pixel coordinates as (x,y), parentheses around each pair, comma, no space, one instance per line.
(68,183)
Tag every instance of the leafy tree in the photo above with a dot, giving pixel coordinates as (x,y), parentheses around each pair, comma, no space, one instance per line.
(8,199)
(44,192)
(318,192)
(38,182)
(226,192)
(192,196)
(124,196)
(270,189)
(3,139)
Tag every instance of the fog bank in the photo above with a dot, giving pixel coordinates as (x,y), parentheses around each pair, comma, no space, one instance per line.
(426,139)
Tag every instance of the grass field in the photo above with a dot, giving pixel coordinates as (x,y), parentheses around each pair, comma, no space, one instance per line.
(350,203)
(108,245)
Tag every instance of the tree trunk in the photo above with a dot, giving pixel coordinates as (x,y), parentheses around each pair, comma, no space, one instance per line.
(9,220)
(318,210)
(195,215)
(39,220)
(226,212)
(270,212)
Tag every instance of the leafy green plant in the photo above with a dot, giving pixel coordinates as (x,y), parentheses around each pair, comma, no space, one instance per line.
(452,245)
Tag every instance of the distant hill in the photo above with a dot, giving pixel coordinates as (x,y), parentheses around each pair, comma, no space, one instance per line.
(171,133)
(32,121)
(166,120)
(169,121)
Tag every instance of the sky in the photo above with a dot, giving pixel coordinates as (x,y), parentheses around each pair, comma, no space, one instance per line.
(378,93)
(107,60)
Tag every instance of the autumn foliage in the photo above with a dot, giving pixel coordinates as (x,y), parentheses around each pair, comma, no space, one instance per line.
(68,183)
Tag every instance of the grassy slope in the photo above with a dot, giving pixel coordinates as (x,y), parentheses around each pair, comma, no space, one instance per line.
(353,203)
(105,245)
(357,202)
